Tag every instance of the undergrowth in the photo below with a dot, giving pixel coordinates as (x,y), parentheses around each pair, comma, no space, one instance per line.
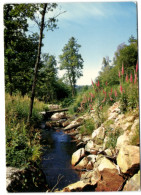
(22,142)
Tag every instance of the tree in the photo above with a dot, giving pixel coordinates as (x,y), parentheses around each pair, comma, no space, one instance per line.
(47,79)
(15,26)
(50,24)
(127,55)
(72,62)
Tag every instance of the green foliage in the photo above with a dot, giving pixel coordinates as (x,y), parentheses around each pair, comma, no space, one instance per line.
(129,98)
(76,103)
(135,140)
(72,62)
(112,135)
(87,127)
(22,143)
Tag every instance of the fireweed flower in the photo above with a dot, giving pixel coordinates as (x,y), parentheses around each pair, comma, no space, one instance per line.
(98,84)
(115,93)
(122,71)
(111,91)
(103,100)
(126,79)
(131,78)
(137,67)
(121,90)
(111,98)
(135,80)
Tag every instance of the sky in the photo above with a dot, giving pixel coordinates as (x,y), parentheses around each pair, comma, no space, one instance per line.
(99,27)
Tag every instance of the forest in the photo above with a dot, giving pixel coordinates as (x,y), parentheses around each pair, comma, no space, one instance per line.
(32,84)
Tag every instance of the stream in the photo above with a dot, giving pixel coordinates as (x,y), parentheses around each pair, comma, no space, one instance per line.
(56,160)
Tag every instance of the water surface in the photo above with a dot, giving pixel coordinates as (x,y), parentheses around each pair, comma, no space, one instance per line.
(56,161)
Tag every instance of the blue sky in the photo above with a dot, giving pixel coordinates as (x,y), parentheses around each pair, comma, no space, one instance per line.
(98,27)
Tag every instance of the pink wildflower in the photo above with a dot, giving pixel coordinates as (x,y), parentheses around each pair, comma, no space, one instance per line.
(131,78)
(122,71)
(126,78)
(135,80)
(115,93)
(111,98)
(104,100)
(111,91)
(106,83)
(98,84)
(137,67)
(121,90)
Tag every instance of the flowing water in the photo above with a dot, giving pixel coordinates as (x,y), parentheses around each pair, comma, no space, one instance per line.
(56,160)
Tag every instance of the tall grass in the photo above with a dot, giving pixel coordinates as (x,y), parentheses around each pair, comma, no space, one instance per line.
(22,142)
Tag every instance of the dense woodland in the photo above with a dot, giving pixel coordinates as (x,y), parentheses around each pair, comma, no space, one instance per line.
(26,65)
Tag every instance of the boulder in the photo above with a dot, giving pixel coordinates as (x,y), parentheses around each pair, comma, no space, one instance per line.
(128,159)
(77,156)
(105,141)
(21,180)
(66,123)
(106,164)
(86,138)
(108,152)
(89,145)
(135,124)
(98,135)
(126,125)
(58,115)
(82,164)
(133,184)
(111,181)
(74,124)
(123,140)
(113,115)
(130,118)
(91,160)
(119,117)
(76,187)
(91,176)
(96,176)
(114,108)
(10,172)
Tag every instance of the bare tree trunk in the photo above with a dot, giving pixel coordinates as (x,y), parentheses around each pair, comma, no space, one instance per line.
(37,63)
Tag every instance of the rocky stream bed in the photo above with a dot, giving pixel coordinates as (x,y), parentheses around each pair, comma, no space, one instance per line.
(73,162)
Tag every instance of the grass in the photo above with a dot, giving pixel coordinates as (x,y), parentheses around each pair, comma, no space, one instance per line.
(22,142)
(88,127)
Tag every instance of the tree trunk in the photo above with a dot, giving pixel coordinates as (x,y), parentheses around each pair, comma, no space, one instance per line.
(37,63)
